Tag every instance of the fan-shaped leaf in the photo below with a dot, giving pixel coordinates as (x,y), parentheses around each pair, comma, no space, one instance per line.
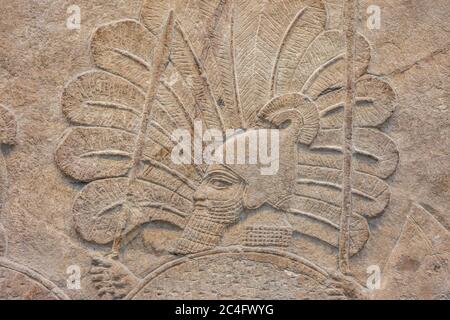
(119,107)
(102,205)
(321,65)
(375,103)
(200,49)
(378,154)
(319,228)
(125,48)
(101,99)
(260,34)
(370,194)
(87,154)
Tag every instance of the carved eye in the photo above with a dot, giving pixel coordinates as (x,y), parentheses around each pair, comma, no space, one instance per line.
(220,184)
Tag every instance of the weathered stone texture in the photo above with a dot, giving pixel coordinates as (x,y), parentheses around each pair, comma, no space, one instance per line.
(87,178)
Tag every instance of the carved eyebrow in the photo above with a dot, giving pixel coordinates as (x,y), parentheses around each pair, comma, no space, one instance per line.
(223,174)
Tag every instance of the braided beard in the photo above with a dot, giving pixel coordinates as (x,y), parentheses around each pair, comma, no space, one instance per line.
(207,225)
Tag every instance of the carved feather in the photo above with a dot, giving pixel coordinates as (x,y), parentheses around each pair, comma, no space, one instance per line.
(260,31)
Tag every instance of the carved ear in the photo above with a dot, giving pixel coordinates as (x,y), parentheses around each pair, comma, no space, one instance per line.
(254,197)
(297,109)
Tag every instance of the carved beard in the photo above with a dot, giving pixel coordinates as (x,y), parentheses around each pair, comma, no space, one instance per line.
(207,225)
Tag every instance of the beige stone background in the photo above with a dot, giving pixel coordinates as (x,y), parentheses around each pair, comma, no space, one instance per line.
(39,55)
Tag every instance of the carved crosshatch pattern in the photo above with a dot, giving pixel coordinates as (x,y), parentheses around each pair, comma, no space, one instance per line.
(149,228)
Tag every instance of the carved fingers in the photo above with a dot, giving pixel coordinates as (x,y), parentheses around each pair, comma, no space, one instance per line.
(344,287)
(111,279)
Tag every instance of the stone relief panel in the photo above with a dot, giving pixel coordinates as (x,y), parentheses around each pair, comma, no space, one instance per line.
(140,225)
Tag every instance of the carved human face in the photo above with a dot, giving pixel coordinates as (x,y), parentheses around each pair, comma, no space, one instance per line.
(218,203)
(220,194)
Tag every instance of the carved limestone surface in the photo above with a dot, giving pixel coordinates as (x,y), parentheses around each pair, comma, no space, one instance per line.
(17,281)
(214,149)
(20,283)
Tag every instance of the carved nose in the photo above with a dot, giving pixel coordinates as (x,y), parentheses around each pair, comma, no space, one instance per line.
(199,195)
